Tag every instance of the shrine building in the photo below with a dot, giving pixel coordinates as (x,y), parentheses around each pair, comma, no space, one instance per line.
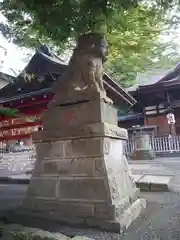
(158,104)
(31,91)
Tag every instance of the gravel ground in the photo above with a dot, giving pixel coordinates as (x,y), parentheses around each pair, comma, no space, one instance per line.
(160,221)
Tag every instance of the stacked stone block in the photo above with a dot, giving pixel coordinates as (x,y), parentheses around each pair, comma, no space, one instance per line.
(81,174)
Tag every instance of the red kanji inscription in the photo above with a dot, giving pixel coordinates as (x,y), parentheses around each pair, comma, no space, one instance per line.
(69,116)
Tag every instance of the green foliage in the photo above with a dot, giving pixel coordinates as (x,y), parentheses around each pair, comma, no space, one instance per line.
(137,47)
(8,111)
(59,20)
(133,44)
(21,236)
(125,67)
(132,28)
(28,236)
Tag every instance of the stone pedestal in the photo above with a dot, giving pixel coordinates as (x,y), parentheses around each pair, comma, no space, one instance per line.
(142,149)
(81,174)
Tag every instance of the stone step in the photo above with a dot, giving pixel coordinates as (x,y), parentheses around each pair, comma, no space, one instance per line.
(152,183)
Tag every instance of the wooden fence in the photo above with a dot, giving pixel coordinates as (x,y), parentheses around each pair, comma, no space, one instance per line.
(158,144)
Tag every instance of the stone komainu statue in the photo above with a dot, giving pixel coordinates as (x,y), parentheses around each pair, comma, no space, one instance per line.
(85,69)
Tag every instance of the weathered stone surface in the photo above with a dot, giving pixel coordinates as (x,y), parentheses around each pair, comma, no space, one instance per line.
(105,211)
(108,113)
(75,167)
(38,169)
(43,150)
(115,147)
(57,149)
(92,190)
(82,168)
(123,204)
(72,115)
(154,183)
(60,209)
(120,180)
(50,149)
(80,96)
(43,187)
(99,167)
(85,95)
(141,154)
(81,147)
(84,147)
(131,213)
(123,220)
(81,238)
(89,130)
(110,226)
(143,150)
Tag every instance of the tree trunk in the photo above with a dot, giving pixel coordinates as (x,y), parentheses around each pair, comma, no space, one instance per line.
(83,78)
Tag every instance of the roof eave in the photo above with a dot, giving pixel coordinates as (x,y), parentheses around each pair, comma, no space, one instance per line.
(121,92)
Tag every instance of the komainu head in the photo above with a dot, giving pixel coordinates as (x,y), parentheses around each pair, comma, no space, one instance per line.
(94,44)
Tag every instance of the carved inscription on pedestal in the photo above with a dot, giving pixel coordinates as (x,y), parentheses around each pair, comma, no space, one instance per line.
(69,116)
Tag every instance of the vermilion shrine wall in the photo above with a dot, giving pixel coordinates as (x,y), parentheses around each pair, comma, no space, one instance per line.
(161,121)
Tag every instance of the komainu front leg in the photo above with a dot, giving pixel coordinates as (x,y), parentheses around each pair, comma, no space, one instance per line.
(99,81)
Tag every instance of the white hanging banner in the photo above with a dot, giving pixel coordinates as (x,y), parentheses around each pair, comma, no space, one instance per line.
(171,118)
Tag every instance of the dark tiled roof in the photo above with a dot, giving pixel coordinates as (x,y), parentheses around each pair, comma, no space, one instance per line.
(7,77)
(40,64)
(171,75)
(145,127)
(171,79)
(130,116)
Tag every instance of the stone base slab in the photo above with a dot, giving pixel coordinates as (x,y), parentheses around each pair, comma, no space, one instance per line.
(95,191)
(147,154)
(79,114)
(154,183)
(81,96)
(89,130)
(119,223)
(78,210)
(54,226)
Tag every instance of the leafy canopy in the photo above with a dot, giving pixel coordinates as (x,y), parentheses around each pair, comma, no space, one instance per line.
(134,44)
(60,20)
(132,27)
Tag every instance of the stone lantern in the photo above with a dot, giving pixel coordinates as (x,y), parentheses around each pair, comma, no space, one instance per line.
(142,147)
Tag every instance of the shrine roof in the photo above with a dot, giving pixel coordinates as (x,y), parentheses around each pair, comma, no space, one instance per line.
(6,78)
(141,128)
(130,116)
(163,79)
(45,63)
